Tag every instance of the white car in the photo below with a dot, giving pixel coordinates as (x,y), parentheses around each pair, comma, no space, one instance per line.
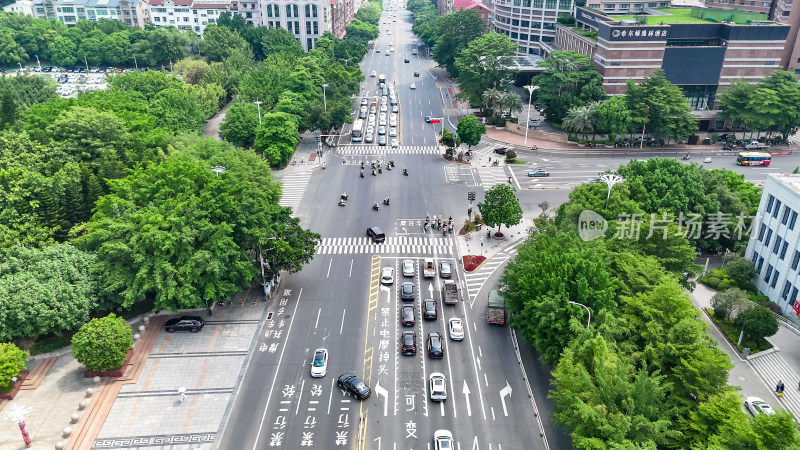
(395,144)
(377,50)
(384,107)
(373,74)
(456,329)
(319,365)
(387,275)
(757,406)
(393,121)
(392,132)
(413,86)
(408,268)
(443,440)
(438,386)
(382,121)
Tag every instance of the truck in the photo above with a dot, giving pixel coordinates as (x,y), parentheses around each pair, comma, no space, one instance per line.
(428,268)
(450,292)
(755,145)
(496,311)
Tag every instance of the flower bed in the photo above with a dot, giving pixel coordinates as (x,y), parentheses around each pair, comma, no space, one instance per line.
(473,262)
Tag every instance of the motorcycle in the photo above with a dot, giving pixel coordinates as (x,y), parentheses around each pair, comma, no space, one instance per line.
(509,180)
(342,202)
(380,170)
(386,201)
(362,174)
(376,206)
(495,163)
(707,160)
(374,173)
(686,157)
(405,172)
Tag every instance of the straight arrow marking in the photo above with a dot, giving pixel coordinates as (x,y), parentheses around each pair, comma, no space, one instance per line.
(465,391)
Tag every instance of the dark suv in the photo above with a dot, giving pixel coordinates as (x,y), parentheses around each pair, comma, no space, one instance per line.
(354,385)
(376,234)
(184,323)
(435,345)
(429,309)
(407,291)
(408,316)
(409,343)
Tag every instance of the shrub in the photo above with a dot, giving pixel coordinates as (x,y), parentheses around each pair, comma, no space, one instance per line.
(12,361)
(724,284)
(101,344)
(710,281)
(511,154)
(771,306)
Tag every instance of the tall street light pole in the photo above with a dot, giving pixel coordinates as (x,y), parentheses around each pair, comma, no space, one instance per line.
(530,98)
(136,63)
(324,96)
(610,180)
(587,310)
(259,103)
(218,169)
(87,64)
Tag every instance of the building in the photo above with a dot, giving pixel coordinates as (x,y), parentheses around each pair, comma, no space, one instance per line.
(342,13)
(626,6)
(191,15)
(306,20)
(774,245)
(70,11)
(529,23)
(451,6)
(702,59)
(775,10)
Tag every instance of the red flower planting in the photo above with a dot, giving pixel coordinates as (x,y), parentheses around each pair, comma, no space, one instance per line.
(472,262)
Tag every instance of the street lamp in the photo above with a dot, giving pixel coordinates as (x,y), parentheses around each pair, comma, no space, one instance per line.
(38,63)
(218,169)
(587,310)
(136,63)
(87,64)
(20,66)
(324,96)
(530,98)
(610,180)
(644,126)
(259,103)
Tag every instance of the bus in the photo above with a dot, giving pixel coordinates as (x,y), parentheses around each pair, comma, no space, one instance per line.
(753,159)
(358,128)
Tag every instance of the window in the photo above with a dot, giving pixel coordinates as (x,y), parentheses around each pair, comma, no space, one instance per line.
(308,26)
(308,12)
(793,297)
(316,26)
(768,272)
(523,36)
(761,232)
(296,27)
(777,246)
(313,10)
(515,22)
(550,4)
(769,237)
(296,10)
(625,6)
(792,220)
(760,263)
(755,257)
(609,6)
(564,4)
(527,24)
(289,27)
(795,259)
(538,4)
(783,250)
(776,209)
(651,5)
(770,200)
(309,43)
(775,277)
(786,287)
(514,35)
(786,212)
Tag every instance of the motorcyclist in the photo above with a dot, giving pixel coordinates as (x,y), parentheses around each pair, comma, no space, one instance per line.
(386,201)
(376,206)
(405,171)
(362,173)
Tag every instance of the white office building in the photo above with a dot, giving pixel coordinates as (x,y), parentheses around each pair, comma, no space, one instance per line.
(70,11)
(774,245)
(531,24)
(307,20)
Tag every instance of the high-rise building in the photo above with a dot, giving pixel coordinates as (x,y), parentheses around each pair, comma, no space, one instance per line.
(528,23)
(70,11)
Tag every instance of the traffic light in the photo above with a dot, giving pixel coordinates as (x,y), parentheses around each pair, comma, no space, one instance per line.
(471,196)
(316,139)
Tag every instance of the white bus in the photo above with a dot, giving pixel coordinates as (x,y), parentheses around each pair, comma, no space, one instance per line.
(358,128)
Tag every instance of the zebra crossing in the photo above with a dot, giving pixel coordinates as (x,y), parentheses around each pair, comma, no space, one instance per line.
(382,150)
(406,245)
(490,176)
(293,187)
(773,368)
(477,279)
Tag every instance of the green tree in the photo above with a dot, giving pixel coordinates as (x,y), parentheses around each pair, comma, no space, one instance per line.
(509,103)
(240,124)
(361,31)
(45,291)
(786,117)
(470,130)
(490,97)
(739,269)
(579,119)
(758,322)
(116,48)
(569,79)
(370,13)
(8,109)
(719,423)
(485,63)
(92,50)
(455,31)
(613,117)
(500,207)
(728,304)
(10,51)
(12,361)
(102,344)
(278,40)
(777,430)
(191,70)
(220,42)
(661,107)
(61,51)
(277,137)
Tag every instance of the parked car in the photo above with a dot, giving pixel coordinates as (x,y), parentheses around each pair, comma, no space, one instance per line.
(319,365)
(184,323)
(413,86)
(757,406)
(501,150)
(406,60)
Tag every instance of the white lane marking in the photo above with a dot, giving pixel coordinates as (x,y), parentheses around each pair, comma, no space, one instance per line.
(316,324)
(344,311)
(381,391)
(351,269)
(300,397)
(328,275)
(465,391)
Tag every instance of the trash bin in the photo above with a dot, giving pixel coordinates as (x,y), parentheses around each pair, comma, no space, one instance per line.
(707,141)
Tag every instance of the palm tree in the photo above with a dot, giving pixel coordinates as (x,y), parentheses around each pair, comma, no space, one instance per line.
(579,119)
(510,102)
(491,96)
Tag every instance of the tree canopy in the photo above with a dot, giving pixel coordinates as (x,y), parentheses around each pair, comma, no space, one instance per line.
(500,207)
(485,63)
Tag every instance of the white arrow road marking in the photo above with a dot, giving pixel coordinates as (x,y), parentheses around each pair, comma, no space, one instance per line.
(381,391)
(478,362)
(475,445)
(503,392)
(430,289)
(465,391)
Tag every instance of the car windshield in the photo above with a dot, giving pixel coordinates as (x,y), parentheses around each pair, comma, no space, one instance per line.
(444,444)
(319,360)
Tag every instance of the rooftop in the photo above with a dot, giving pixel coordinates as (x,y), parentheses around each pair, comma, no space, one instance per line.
(790,180)
(696,15)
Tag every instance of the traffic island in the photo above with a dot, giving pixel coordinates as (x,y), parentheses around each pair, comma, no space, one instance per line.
(472,262)
(498,235)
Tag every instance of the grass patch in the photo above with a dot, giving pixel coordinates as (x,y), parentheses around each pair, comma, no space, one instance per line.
(589,34)
(684,15)
(731,331)
(515,161)
(49,344)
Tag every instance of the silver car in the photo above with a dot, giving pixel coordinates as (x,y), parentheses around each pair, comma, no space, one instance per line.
(456,327)
(408,268)
(319,365)
(438,386)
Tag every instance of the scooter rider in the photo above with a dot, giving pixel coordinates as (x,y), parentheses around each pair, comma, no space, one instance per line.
(362,173)
(386,201)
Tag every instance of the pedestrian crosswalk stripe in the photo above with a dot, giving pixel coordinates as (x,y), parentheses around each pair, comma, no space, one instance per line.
(393,245)
(293,187)
(492,175)
(379,149)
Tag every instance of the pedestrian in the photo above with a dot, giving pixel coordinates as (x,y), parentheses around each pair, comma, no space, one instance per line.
(798,385)
(778,387)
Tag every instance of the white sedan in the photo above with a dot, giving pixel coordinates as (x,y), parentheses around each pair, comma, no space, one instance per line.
(456,329)
(443,440)
(319,365)
(413,86)
(387,275)
(438,385)
(408,268)
(395,144)
(757,406)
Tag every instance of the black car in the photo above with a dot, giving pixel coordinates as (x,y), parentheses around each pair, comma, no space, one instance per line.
(408,316)
(354,385)
(406,60)
(409,343)
(416,74)
(501,150)
(407,291)
(429,309)
(435,345)
(184,323)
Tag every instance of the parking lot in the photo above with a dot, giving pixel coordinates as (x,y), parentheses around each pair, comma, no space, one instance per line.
(72,81)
